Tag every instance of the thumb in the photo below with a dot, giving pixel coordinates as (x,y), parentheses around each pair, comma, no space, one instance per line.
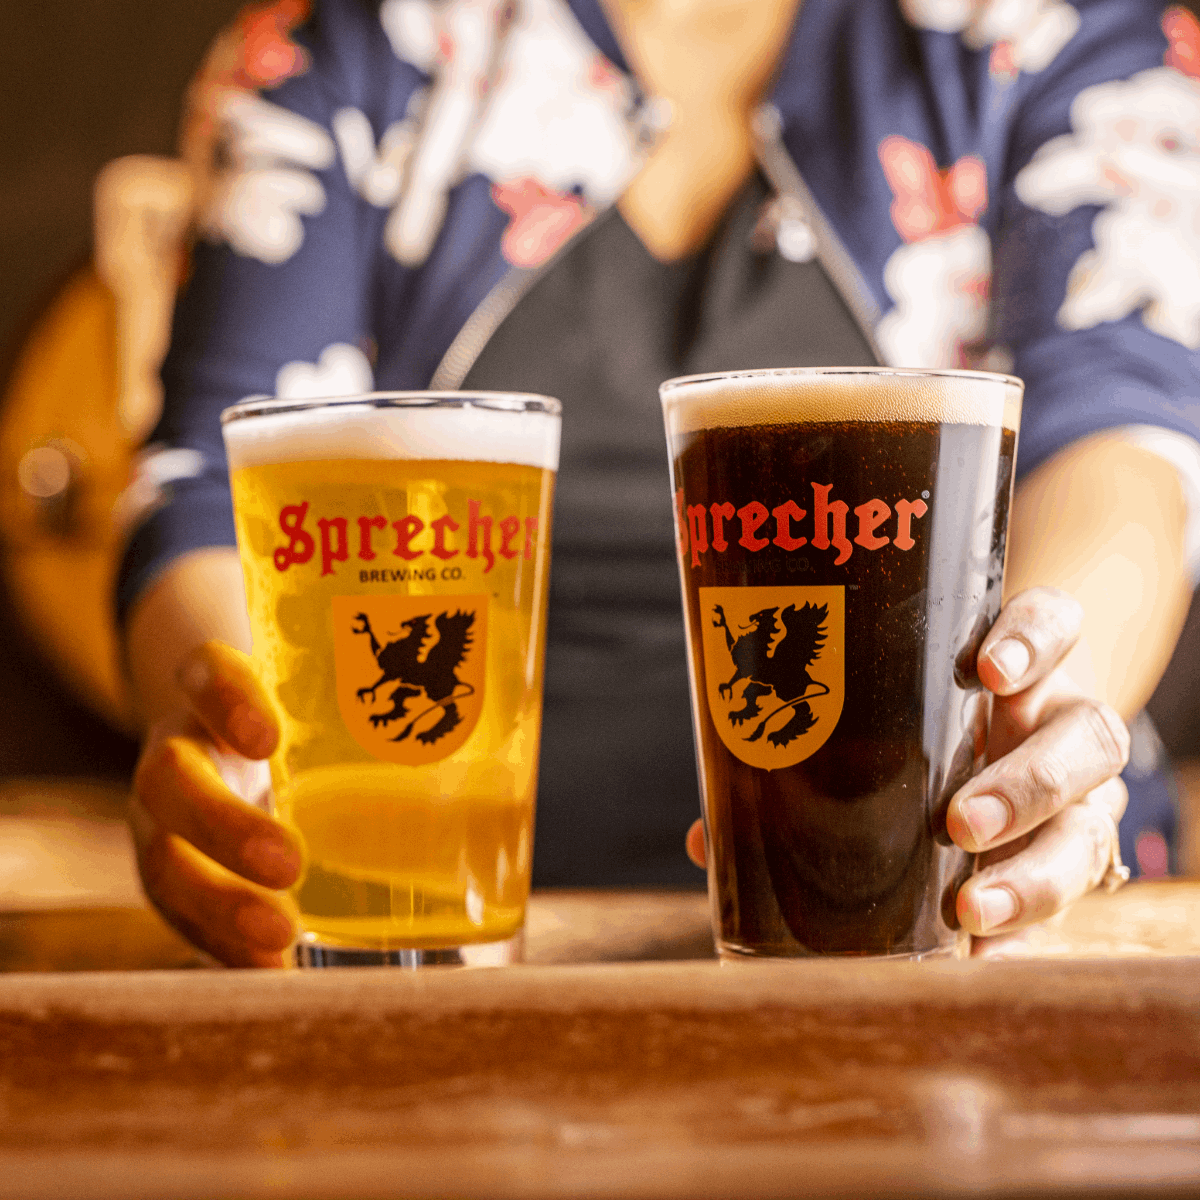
(225,695)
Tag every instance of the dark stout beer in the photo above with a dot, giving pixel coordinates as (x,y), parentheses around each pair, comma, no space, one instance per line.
(841,543)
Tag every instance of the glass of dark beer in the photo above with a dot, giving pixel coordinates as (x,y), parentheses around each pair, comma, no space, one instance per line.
(841,537)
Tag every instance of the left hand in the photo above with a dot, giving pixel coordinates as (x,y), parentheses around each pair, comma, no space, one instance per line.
(1040,816)
(211,860)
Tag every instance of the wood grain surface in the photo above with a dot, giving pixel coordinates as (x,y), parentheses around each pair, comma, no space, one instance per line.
(1075,1071)
(651,1080)
(561,927)
(114,932)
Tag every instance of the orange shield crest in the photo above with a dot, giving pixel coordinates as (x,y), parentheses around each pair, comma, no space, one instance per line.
(410,672)
(774,669)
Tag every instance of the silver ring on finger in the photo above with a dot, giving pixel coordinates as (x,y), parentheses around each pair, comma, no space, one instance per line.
(1116,875)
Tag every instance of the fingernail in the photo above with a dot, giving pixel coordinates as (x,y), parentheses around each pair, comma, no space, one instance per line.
(1011,658)
(273,864)
(986,817)
(194,674)
(996,906)
(252,732)
(263,926)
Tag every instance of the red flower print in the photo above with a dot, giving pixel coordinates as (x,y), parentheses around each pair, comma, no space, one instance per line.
(603,75)
(929,201)
(1002,63)
(255,51)
(541,220)
(1182,30)
(940,279)
(269,56)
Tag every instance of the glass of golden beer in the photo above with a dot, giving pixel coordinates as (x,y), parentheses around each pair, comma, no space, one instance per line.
(396,549)
(841,537)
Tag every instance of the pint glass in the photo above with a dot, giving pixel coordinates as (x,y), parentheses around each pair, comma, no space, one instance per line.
(396,550)
(841,540)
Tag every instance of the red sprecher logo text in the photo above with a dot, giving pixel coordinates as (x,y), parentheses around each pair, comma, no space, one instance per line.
(409,539)
(701,528)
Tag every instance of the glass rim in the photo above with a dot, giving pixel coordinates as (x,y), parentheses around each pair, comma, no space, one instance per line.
(514,402)
(683,382)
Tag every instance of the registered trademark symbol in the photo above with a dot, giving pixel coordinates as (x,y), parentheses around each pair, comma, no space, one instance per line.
(924,495)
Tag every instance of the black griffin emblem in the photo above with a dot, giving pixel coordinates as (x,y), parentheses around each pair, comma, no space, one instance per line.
(782,673)
(434,675)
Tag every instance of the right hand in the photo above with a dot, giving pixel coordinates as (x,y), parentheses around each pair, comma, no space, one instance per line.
(212,860)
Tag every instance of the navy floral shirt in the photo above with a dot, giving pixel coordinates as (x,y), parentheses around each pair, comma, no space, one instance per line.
(1014,185)
(1007,184)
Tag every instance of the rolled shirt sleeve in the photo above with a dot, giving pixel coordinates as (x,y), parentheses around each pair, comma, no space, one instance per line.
(276,298)
(1096,287)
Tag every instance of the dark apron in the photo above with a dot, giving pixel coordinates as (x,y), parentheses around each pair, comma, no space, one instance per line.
(601,329)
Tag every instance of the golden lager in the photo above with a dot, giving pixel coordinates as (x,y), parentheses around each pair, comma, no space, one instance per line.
(841,549)
(396,552)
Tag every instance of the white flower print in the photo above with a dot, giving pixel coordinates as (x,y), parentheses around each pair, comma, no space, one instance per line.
(1034,31)
(940,279)
(520,96)
(255,203)
(1135,148)
(940,289)
(412,31)
(375,172)
(341,370)
(558,112)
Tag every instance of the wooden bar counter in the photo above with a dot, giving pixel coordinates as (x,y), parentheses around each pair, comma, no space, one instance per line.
(615,1064)
(1058,1074)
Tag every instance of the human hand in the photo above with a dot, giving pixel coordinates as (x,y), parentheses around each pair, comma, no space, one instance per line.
(211,859)
(1041,816)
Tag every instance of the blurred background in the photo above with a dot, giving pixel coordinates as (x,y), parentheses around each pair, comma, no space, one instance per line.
(86,83)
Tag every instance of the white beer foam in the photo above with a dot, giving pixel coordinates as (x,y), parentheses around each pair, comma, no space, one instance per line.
(339,431)
(827,395)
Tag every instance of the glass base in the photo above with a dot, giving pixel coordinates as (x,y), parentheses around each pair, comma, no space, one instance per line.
(960,948)
(480,954)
